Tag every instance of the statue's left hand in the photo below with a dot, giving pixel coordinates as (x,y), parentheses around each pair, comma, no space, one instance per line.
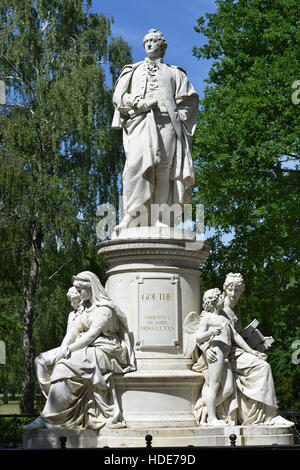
(260,355)
(63,352)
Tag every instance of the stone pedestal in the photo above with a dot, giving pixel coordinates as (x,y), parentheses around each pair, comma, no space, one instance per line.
(159,399)
(155,280)
(162,437)
(196,436)
(50,438)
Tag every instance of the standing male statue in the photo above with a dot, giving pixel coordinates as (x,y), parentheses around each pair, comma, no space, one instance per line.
(157,108)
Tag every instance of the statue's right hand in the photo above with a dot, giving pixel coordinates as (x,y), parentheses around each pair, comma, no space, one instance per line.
(142,105)
(151,103)
(58,355)
(211,355)
(215,331)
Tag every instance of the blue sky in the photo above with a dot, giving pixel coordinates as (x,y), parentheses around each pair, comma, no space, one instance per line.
(174,18)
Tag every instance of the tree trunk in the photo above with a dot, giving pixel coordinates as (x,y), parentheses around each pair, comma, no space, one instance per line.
(5,392)
(27,401)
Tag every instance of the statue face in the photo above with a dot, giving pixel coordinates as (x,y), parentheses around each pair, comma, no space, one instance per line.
(74,297)
(233,292)
(85,291)
(152,45)
(212,302)
(75,301)
(220,303)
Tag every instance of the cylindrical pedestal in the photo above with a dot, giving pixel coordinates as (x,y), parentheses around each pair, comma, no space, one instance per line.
(156,283)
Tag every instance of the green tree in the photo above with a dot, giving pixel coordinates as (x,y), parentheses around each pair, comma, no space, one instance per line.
(59,160)
(246,154)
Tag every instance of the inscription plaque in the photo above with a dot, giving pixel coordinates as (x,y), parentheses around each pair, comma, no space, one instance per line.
(157,312)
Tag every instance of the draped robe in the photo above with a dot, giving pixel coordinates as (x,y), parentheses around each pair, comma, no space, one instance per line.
(246,394)
(80,389)
(142,137)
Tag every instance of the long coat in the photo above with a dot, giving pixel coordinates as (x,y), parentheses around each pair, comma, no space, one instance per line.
(141,139)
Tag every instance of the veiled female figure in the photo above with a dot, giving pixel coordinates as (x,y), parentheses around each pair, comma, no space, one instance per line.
(77,377)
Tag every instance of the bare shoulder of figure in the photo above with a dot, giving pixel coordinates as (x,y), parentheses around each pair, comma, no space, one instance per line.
(204,319)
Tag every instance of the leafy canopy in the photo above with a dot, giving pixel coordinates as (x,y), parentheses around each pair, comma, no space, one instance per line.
(246,157)
(59,158)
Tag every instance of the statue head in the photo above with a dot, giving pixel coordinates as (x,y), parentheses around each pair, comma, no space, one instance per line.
(154,43)
(234,287)
(93,293)
(213,300)
(74,297)
(90,288)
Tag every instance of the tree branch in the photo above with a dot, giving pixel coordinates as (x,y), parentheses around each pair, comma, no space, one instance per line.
(11,77)
(45,26)
(20,106)
(287,170)
(19,74)
(52,275)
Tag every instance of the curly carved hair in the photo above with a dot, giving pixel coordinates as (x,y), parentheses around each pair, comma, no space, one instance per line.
(235,278)
(163,42)
(210,299)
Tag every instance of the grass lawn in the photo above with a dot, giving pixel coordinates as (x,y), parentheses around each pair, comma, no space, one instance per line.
(13,407)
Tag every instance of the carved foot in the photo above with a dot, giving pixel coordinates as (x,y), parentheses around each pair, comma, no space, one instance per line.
(95,425)
(124,223)
(280,421)
(118,425)
(38,423)
(160,224)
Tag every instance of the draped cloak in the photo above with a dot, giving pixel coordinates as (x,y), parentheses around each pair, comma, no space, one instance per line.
(84,380)
(79,388)
(141,134)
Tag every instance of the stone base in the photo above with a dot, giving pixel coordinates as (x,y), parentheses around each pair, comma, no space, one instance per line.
(162,437)
(196,436)
(49,438)
(159,399)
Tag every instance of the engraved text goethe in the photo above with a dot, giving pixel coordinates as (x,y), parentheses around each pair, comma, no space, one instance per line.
(157,312)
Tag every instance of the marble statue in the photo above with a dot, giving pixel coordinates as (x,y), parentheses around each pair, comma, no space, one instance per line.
(234,288)
(157,109)
(153,268)
(215,334)
(238,383)
(77,377)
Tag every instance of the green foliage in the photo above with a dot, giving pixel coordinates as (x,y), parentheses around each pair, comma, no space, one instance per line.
(59,160)
(12,430)
(246,155)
